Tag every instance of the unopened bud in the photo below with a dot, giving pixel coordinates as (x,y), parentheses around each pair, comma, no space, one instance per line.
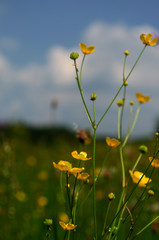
(125,83)
(151,193)
(111,196)
(131,102)
(143,149)
(93,97)
(120,103)
(74,55)
(126,52)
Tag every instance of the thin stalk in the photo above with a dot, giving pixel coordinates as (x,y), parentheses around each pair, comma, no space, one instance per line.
(119,113)
(94,192)
(118,209)
(135,63)
(110,104)
(81,70)
(68,195)
(81,93)
(145,227)
(122,111)
(96,179)
(106,216)
(132,127)
(137,161)
(122,167)
(130,117)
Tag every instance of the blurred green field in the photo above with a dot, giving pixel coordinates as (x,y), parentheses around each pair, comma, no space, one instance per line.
(30,185)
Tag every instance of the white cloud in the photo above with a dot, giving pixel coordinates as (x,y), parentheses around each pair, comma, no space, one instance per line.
(102,72)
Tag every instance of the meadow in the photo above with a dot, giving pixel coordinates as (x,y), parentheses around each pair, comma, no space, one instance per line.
(30,185)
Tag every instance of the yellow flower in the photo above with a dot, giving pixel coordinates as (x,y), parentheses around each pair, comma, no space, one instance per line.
(86,50)
(155,162)
(112,142)
(141,98)
(67,226)
(136,177)
(63,165)
(146,39)
(76,170)
(42,201)
(81,156)
(20,196)
(83,176)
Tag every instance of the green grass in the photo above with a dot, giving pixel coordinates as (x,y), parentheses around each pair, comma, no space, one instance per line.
(26,157)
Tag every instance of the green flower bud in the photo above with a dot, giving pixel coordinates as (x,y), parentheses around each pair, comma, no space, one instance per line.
(111,196)
(143,149)
(74,55)
(120,103)
(131,102)
(48,222)
(151,192)
(93,97)
(125,83)
(126,52)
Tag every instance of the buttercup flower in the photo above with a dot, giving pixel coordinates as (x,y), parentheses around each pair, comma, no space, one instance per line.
(155,162)
(136,177)
(67,226)
(146,39)
(141,98)
(83,176)
(81,156)
(86,50)
(112,142)
(63,165)
(76,170)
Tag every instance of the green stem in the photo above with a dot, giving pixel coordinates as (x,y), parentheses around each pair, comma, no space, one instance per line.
(106,216)
(122,167)
(122,111)
(132,127)
(119,112)
(90,191)
(81,70)
(137,161)
(94,180)
(110,105)
(130,117)
(135,63)
(81,93)
(118,209)
(145,227)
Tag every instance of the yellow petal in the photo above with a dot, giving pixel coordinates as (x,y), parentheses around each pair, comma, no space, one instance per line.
(154,41)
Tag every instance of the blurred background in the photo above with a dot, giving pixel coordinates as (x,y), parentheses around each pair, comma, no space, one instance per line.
(40,106)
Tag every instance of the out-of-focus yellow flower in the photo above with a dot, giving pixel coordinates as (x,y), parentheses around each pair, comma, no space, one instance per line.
(112,142)
(81,156)
(75,171)
(31,161)
(86,50)
(20,196)
(67,226)
(146,39)
(141,98)
(83,176)
(136,177)
(63,165)
(42,175)
(42,201)
(63,217)
(155,162)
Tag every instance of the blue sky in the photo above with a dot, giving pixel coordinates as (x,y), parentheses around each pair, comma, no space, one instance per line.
(36,38)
